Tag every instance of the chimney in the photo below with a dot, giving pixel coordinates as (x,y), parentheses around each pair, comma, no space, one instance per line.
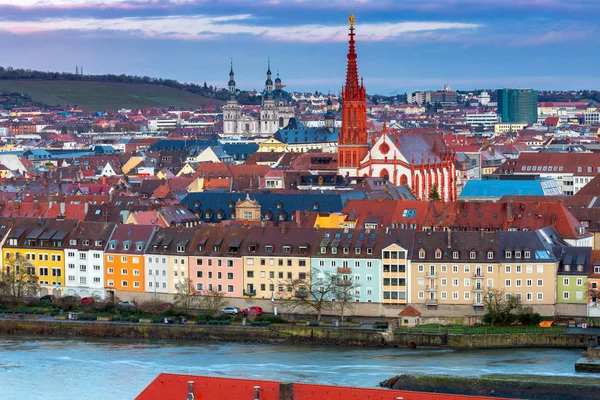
(190,395)
(510,211)
(63,208)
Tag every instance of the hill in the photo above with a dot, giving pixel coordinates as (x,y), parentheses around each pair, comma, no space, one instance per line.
(108,96)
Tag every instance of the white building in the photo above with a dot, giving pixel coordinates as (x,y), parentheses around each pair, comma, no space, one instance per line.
(84,259)
(484,98)
(486,120)
(275,111)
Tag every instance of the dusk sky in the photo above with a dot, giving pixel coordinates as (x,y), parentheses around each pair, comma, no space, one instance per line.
(403,45)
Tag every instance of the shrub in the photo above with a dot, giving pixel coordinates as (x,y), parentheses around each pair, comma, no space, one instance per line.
(68,303)
(528,317)
(152,307)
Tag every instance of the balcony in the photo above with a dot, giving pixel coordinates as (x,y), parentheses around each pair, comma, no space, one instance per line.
(478,304)
(250,293)
(431,275)
(301,294)
(431,288)
(344,270)
(344,282)
(431,302)
(478,275)
(478,289)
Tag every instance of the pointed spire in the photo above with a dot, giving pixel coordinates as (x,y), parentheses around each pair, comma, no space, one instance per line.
(352,69)
(269,65)
(231,70)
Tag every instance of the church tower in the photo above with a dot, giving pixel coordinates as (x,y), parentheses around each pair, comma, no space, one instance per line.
(268,110)
(353,139)
(232,111)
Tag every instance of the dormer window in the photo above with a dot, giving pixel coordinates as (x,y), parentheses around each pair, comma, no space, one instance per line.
(303,249)
(438,253)
(508,254)
(201,248)
(180,249)
(517,254)
(139,247)
(334,250)
(73,242)
(98,243)
(268,249)
(455,255)
(252,248)
(346,250)
(527,254)
(579,268)
(287,249)
(421,254)
(113,245)
(323,249)
(490,255)
(126,246)
(357,250)
(166,247)
(369,250)
(473,255)
(567,267)
(217,247)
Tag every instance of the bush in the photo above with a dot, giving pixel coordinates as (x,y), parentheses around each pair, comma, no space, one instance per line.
(528,317)
(275,320)
(152,307)
(68,303)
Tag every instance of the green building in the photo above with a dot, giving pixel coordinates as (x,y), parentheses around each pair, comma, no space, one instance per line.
(572,275)
(517,106)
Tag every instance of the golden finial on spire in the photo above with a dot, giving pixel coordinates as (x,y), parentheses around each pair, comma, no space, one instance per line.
(351,19)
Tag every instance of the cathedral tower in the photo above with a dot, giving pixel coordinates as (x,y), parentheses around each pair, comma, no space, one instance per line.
(232,111)
(268,109)
(353,139)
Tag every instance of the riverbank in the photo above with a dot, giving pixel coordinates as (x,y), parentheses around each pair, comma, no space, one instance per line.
(505,386)
(292,334)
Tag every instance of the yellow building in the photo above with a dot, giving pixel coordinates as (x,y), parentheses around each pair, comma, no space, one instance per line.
(332,221)
(504,128)
(272,145)
(131,164)
(40,243)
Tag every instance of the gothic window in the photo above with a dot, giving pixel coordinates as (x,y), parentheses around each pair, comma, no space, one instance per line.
(281,122)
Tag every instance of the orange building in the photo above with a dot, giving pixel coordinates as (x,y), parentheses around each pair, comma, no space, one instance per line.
(124,258)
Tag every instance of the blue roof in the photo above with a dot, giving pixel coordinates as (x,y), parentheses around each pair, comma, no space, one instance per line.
(274,206)
(167,144)
(240,148)
(296,132)
(499,188)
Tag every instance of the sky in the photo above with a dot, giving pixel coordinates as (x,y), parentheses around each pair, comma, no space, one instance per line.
(402,45)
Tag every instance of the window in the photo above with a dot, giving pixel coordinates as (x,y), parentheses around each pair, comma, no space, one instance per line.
(467,282)
(136,284)
(136,272)
(438,253)
(507,254)
(566,295)
(444,268)
(421,254)
(250,274)
(455,295)
(579,295)
(473,255)
(124,259)
(82,268)
(229,288)
(455,268)
(507,269)
(111,282)
(529,269)
(96,280)
(467,269)
(444,295)
(124,283)
(566,281)
(43,271)
(454,281)
(82,280)
(111,270)
(199,286)
(455,255)
(540,296)
(421,268)
(490,255)
(507,283)
(527,254)
(421,295)
(518,283)
(467,295)
(124,271)
(518,254)
(369,264)
(579,282)
(421,282)
(136,260)
(444,281)
(490,269)
(540,282)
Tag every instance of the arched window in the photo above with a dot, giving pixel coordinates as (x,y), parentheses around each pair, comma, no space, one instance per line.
(281,122)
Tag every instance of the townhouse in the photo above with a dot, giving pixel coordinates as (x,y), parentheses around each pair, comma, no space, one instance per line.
(166,260)
(572,279)
(216,260)
(124,259)
(594,285)
(350,255)
(41,243)
(273,258)
(84,259)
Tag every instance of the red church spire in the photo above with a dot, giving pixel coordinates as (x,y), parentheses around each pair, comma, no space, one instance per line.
(353,138)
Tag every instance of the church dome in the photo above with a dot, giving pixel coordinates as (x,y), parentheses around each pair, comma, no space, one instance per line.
(278,80)
(231,83)
(269,82)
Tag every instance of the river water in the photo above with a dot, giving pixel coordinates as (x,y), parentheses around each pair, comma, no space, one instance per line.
(115,369)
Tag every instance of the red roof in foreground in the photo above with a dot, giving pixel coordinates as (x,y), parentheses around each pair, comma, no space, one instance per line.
(410,311)
(171,386)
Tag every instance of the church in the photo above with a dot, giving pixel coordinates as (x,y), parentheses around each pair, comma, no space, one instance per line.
(276,110)
(419,160)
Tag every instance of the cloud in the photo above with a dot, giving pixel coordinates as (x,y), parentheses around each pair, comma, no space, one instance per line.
(202,27)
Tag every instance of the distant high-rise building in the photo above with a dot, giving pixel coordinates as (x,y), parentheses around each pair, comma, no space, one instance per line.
(517,106)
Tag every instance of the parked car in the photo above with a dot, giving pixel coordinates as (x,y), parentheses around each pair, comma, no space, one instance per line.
(253,310)
(47,297)
(230,311)
(87,300)
(127,304)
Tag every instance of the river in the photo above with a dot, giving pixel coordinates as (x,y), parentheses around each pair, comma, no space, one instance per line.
(115,369)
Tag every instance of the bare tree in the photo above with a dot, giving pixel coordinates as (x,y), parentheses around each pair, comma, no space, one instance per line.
(318,291)
(500,306)
(186,298)
(212,301)
(18,279)
(345,293)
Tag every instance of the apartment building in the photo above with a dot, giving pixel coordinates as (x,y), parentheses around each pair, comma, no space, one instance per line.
(84,259)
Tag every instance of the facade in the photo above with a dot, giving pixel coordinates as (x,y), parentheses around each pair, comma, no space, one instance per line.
(485,120)
(41,243)
(572,275)
(276,110)
(215,260)
(84,259)
(124,259)
(517,106)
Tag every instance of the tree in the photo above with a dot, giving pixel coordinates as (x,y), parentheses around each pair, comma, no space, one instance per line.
(345,292)
(318,291)
(434,194)
(18,279)
(500,307)
(186,298)
(212,301)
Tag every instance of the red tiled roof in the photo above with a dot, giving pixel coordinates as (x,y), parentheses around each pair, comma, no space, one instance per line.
(410,311)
